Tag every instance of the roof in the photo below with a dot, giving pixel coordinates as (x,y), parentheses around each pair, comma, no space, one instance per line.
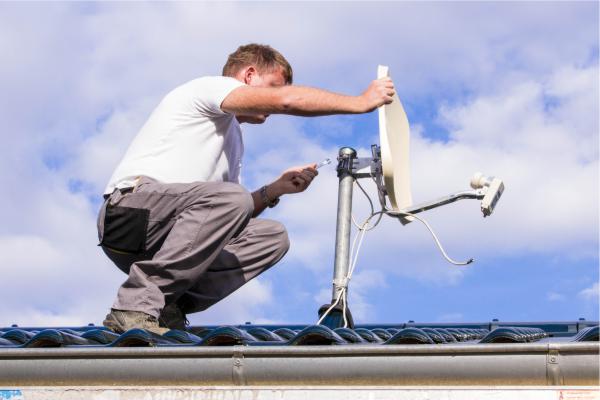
(294,335)
(548,353)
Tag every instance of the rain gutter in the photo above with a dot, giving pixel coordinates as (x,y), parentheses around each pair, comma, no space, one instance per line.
(521,364)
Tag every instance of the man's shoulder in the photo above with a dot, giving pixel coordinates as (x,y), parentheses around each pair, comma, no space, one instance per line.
(210,81)
(204,94)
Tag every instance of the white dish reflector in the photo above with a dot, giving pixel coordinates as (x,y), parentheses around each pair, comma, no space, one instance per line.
(394,137)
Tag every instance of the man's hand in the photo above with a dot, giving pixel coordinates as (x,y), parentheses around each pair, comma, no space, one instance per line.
(293,180)
(379,92)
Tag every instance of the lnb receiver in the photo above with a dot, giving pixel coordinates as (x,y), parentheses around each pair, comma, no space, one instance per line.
(493,188)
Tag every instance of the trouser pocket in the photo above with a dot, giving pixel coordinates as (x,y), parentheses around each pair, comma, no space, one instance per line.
(125,229)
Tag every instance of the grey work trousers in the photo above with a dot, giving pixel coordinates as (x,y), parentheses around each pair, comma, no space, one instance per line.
(201,245)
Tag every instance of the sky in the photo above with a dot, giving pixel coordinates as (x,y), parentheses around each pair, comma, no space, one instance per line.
(510,89)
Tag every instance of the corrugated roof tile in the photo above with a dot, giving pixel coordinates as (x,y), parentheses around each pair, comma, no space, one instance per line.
(252,335)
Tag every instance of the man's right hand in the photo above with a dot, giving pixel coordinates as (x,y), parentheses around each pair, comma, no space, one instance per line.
(379,92)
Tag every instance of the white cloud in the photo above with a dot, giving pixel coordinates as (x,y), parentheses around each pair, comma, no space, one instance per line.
(554,296)
(22,252)
(549,166)
(360,285)
(591,294)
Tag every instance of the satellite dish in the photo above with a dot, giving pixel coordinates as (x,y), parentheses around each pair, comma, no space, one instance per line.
(389,168)
(394,137)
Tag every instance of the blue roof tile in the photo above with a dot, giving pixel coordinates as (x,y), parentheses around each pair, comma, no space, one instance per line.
(368,335)
(349,335)
(285,333)
(252,335)
(316,335)
(411,336)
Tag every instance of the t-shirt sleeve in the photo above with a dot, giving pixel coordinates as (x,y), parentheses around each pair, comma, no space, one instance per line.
(210,91)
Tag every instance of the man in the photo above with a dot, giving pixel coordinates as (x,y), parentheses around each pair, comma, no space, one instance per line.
(176,219)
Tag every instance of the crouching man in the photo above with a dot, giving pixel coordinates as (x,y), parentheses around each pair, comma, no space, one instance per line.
(175,218)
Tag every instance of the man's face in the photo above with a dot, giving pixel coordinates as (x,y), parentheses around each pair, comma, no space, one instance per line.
(273,78)
(252,77)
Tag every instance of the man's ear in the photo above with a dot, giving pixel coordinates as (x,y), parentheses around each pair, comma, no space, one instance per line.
(249,74)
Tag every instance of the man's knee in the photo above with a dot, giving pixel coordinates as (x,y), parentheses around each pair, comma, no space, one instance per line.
(279,237)
(284,240)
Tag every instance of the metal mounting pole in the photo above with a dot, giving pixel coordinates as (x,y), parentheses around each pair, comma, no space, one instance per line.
(339,314)
(342,237)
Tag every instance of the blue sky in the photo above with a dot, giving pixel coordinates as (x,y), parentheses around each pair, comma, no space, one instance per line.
(509,89)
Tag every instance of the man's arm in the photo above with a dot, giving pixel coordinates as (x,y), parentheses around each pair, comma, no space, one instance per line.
(306,101)
(293,180)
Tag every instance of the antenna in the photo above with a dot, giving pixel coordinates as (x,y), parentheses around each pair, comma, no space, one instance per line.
(389,167)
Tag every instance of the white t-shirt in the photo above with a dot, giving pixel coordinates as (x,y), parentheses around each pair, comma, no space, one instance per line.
(188,138)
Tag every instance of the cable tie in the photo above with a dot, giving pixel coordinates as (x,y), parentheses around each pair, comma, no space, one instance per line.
(341,282)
